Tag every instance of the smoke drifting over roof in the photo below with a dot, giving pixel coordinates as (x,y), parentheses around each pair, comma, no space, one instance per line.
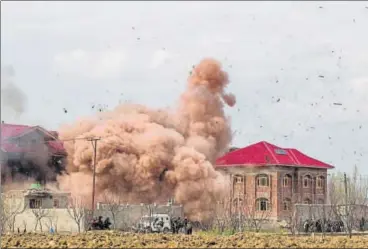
(148,155)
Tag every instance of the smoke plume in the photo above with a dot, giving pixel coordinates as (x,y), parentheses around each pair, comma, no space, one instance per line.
(13,99)
(148,155)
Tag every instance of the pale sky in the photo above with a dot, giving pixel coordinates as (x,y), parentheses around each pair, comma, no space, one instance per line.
(309,55)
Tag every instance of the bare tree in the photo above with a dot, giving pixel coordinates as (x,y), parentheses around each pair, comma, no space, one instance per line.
(256,215)
(291,220)
(39,214)
(24,226)
(114,206)
(52,221)
(3,216)
(222,215)
(348,198)
(77,211)
(10,207)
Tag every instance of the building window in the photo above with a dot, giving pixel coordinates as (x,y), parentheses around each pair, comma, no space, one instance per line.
(238,179)
(320,181)
(238,202)
(262,181)
(56,203)
(306,181)
(35,203)
(287,181)
(307,201)
(262,204)
(287,204)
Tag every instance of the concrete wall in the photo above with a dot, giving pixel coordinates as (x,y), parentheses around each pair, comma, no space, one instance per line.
(59,219)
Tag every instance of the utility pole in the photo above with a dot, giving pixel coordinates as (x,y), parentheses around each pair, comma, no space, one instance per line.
(94,145)
(346,190)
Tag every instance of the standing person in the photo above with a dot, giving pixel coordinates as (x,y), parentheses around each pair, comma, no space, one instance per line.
(185,223)
(172,224)
(178,225)
(189,227)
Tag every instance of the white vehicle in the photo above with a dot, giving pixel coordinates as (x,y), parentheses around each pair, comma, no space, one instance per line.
(157,223)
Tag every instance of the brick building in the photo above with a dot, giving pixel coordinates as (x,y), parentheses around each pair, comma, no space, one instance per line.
(30,151)
(268,178)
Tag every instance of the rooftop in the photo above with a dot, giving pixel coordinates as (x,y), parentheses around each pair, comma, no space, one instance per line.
(267,154)
(9,131)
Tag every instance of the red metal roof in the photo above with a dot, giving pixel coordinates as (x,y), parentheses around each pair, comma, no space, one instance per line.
(266,154)
(13,130)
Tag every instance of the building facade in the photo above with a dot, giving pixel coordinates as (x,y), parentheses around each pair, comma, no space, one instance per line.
(267,180)
(37,210)
(30,152)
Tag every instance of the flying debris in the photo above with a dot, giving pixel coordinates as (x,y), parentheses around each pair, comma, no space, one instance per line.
(65,110)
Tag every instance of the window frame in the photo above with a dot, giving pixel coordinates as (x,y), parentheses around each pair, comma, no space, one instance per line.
(308,179)
(261,177)
(238,179)
(320,182)
(37,203)
(288,179)
(286,203)
(259,202)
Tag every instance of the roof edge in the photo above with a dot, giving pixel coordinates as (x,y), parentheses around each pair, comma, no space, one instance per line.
(270,165)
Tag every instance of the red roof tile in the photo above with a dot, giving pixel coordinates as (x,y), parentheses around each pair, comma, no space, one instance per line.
(266,154)
(12,130)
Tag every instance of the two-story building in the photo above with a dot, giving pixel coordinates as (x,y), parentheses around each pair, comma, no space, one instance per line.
(37,209)
(30,151)
(271,179)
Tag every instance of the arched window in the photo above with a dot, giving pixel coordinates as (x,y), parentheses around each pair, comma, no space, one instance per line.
(262,180)
(307,179)
(262,204)
(286,204)
(286,180)
(307,201)
(238,179)
(320,182)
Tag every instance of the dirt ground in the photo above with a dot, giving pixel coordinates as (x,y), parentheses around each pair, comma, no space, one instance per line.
(200,240)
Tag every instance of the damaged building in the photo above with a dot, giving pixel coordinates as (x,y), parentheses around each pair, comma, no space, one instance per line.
(30,152)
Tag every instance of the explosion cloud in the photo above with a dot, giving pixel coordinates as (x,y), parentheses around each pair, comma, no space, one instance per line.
(148,155)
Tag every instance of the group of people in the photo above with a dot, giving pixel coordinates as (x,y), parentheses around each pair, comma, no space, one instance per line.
(99,224)
(323,225)
(178,224)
